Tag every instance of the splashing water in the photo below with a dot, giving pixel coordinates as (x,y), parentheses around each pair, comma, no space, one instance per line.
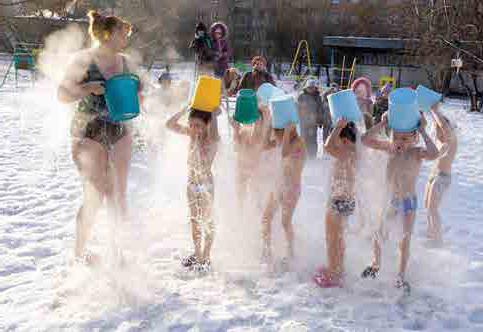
(40,192)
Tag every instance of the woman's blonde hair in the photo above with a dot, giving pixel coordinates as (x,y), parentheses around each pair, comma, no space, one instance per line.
(101,27)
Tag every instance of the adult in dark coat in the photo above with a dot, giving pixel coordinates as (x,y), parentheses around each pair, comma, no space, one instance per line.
(258,76)
(203,46)
(382,102)
(312,116)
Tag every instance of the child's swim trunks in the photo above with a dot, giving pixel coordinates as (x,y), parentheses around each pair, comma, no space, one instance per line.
(404,206)
(440,182)
(343,206)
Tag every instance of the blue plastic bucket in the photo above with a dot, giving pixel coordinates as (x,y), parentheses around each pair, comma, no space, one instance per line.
(284,111)
(404,113)
(344,104)
(122,97)
(427,98)
(267,91)
(246,110)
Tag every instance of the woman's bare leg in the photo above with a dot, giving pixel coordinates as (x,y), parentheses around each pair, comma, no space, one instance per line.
(90,158)
(120,155)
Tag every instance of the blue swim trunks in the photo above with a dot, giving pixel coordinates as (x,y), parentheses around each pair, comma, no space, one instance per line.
(405,206)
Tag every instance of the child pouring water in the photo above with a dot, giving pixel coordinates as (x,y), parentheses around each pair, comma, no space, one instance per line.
(403,169)
(341,145)
(287,188)
(249,143)
(203,133)
(440,179)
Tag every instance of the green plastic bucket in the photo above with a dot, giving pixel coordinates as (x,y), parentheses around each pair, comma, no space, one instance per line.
(246,110)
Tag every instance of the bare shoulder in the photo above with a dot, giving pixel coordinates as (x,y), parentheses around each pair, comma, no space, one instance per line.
(78,65)
(132,63)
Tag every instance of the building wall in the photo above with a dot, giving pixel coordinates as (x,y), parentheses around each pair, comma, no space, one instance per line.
(253,23)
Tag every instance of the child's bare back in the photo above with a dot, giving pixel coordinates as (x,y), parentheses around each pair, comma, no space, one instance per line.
(343,176)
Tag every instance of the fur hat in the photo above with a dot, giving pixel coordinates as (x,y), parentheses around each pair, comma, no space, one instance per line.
(222,26)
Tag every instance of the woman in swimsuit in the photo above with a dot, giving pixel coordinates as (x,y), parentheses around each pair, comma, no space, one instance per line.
(288,188)
(101,149)
(202,130)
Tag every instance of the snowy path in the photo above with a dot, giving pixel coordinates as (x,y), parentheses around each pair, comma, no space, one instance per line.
(39,290)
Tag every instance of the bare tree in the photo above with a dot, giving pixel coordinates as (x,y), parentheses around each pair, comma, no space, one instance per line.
(443,30)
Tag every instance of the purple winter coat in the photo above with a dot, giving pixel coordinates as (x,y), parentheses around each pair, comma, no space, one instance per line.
(222,49)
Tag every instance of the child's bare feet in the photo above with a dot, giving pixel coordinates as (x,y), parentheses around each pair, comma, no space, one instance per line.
(189,261)
(326,279)
(370,271)
(403,284)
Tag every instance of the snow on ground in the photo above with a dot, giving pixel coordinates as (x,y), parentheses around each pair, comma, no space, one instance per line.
(40,290)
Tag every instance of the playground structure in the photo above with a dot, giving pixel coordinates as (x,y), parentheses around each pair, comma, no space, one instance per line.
(299,54)
(24,58)
(21,40)
(340,74)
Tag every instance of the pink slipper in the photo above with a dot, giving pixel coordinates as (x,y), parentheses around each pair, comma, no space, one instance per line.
(324,279)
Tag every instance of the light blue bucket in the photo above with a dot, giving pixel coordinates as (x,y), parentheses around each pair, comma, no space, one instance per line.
(267,91)
(343,104)
(404,113)
(284,111)
(122,97)
(427,98)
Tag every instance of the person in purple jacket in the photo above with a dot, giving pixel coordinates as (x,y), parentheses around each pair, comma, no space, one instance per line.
(219,33)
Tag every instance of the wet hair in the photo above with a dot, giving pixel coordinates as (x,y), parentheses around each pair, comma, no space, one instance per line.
(349,132)
(101,27)
(200,115)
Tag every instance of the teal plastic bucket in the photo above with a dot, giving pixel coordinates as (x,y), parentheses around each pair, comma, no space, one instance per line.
(284,111)
(427,98)
(246,110)
(267,91)
(404,113)
(122,97)
(343,104)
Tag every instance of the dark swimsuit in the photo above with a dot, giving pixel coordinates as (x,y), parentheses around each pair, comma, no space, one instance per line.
(91,119)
